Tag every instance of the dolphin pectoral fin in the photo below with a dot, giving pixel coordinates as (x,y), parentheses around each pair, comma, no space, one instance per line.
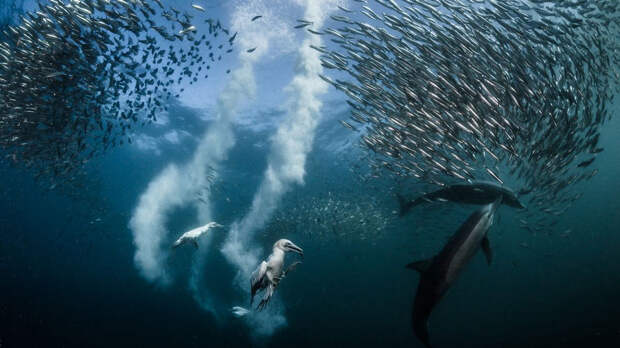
(486,248)
(420,266)
(195,244)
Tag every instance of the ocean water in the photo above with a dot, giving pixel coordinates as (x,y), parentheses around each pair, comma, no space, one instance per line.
(69,275)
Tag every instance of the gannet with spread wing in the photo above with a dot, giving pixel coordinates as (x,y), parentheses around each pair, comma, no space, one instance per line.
(269,273)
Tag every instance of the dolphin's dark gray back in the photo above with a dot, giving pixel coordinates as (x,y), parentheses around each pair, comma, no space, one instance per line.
(482,192)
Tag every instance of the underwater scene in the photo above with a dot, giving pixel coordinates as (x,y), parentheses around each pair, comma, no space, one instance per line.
(309,173)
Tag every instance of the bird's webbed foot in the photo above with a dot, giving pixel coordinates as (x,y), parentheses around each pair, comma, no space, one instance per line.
(266,298)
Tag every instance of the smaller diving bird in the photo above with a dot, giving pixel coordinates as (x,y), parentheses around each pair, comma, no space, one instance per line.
(239,311)
(269,273)
(192,236)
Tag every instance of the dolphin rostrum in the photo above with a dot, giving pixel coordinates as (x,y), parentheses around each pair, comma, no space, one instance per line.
(481,192)
(439,273)
(269,273)
(192,236)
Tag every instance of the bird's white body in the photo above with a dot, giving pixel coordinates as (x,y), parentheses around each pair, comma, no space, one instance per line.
(239,311)
(192,236)
(275,263)
(269,273)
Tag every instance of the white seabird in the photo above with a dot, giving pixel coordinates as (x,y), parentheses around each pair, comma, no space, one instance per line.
(239,311)
(193,235)
(269,273)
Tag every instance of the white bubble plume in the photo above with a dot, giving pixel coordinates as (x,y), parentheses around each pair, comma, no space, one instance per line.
(262,38)
(177,186)
(286,163)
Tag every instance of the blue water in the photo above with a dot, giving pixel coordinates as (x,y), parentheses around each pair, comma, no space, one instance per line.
(68,277)
(70,282)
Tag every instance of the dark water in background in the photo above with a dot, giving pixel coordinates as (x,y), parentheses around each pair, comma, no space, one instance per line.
(67,276)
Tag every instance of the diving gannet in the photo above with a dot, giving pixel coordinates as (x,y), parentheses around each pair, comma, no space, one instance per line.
(269,273)
(193,235)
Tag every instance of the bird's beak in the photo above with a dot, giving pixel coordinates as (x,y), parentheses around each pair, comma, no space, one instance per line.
(296,249)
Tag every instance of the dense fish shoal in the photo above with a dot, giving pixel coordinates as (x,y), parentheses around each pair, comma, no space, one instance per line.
(452,91)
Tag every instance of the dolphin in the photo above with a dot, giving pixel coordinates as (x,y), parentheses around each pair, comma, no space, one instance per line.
(269,273)
(480,192)
(192,236)
(439,273)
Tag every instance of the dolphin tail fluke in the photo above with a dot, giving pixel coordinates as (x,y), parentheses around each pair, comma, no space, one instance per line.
(420,328)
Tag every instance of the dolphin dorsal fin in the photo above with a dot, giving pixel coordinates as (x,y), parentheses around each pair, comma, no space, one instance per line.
(420,266)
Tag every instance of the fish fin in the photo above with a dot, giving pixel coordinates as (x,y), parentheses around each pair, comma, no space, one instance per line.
(420,266)
(486,248)
(195,244)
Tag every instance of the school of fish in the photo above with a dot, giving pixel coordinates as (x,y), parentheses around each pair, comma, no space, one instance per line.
(76,76)
(449,91)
